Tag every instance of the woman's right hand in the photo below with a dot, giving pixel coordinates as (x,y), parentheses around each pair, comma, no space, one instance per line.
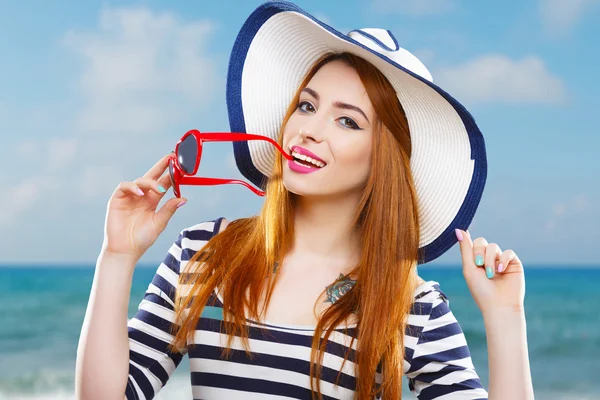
(132,225)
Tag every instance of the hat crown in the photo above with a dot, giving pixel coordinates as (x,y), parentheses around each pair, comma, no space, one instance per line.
(383,42)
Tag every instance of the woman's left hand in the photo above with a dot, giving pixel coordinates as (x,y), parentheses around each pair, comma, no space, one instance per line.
(495,278)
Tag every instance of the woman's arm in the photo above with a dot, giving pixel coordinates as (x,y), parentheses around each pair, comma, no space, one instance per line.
(103,353)
(508,359)
(496,281)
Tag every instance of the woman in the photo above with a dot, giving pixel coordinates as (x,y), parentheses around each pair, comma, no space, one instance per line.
(332,254)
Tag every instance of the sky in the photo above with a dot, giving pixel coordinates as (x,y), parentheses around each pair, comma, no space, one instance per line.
(94,93)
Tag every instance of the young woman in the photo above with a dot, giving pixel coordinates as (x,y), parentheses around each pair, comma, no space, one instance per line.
(318,296)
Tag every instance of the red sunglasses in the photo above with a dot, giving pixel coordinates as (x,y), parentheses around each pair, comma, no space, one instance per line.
(188,152)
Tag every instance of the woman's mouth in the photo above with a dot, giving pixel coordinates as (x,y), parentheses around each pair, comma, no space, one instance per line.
(307,161)
(306,158)
(304,162)
(302,167)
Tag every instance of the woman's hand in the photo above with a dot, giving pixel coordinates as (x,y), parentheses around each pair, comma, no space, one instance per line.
(132,225)
(497,283)
(495,278)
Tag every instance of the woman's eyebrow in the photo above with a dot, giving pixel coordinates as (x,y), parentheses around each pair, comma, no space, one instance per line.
(337,104)
(347,106)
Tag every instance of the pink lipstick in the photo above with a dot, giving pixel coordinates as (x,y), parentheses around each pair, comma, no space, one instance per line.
(314,163)
(307,153)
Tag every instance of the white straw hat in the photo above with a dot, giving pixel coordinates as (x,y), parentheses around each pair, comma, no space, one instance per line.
(273,52)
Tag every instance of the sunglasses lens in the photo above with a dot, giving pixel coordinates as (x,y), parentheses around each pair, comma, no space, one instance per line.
(187,152)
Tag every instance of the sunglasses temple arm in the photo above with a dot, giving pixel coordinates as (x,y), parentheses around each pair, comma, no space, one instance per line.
(195,180)
(236,137)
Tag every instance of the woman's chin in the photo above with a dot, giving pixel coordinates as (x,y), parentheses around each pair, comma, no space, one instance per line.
(299,188)
(321,190)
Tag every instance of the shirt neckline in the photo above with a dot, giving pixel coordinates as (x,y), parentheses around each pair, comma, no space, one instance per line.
(420,289)
(271,324)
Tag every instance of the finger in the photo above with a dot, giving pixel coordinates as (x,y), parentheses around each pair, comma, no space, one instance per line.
(466,251)
(492,253)
(125,189)
(157,170)
(165,181)
(507,259)
(165,213)
(479,246)
(147,184)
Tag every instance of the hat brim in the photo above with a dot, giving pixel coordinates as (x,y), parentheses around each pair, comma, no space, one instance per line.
(274,50)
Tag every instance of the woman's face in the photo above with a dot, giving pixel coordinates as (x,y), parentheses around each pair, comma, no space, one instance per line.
(333,121)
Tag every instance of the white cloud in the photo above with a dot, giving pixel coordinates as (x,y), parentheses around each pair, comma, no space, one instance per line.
(580,203)
(559,209)
(560,16)
(414,7)
(28,150)
(45,158)
(143,71)
(100,181)
(47,154)
(61,153)
(426,56)
(20,199)
(497,78)
(564,210)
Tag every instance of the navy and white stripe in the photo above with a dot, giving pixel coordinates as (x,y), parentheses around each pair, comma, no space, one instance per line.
(437,362)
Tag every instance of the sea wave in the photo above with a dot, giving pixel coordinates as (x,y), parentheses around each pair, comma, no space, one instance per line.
(48,386)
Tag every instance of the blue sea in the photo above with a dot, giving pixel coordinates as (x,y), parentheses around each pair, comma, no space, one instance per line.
(42,310)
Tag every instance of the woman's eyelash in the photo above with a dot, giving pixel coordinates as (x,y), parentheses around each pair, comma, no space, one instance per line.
(352,124)
(301,103)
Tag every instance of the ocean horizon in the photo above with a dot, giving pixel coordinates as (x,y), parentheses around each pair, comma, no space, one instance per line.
(154,265)
(43,307)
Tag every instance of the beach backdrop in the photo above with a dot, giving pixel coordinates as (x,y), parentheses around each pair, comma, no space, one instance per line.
(42,311)
(93,93)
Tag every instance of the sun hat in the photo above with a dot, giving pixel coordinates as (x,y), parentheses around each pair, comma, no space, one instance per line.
(272,53)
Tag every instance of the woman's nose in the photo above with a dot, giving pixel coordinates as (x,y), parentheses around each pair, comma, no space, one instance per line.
(312,131)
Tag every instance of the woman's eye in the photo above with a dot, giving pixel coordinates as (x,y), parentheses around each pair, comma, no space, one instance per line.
(306,106)
(349,123)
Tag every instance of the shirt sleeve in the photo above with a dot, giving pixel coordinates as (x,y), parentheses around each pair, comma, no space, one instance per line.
(437,355)
(150,362)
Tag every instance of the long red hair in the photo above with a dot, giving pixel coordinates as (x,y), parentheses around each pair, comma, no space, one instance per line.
(239,260)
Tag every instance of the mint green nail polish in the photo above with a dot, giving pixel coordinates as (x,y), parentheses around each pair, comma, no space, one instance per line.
(161,189)
(479,261)
(489,272)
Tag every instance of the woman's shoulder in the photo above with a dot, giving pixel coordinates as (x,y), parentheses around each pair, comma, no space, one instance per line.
(195,236)
(427,297)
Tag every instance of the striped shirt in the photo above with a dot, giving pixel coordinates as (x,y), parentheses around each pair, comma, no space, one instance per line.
(437,362)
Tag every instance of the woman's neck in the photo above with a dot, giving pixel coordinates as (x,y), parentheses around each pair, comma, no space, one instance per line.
(323,229)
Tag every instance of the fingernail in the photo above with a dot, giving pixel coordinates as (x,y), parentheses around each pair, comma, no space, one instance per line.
(140,192)
(489,272)
(161,189)
(459,235)
(500,267)
(479,261)
(182,203)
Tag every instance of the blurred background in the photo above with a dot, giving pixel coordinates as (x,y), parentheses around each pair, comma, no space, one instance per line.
(94,93)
